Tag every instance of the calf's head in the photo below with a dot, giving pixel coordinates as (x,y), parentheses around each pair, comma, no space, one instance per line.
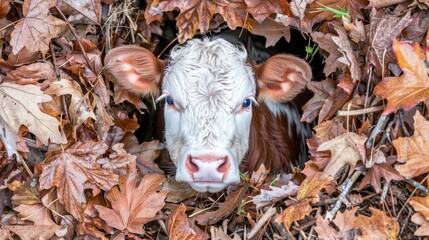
(209,90)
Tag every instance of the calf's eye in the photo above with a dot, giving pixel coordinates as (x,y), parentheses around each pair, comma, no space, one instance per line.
(169,100)
(246,103)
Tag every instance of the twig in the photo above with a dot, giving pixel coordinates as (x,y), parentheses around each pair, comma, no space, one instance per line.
(360,111)
(412,194)
(402,123)
(264,218)
(417,185)
(345,188)
(380,125)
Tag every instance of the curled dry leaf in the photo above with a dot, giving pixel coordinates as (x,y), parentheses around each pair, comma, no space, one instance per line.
(19,106)
(36,29)
(275,194)
(412,87)
(71,169)
(346,149)
(377,226)
(413,150)
(180,227)
(134,203)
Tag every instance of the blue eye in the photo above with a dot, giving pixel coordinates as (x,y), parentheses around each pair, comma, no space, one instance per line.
(169,100)
(246,103)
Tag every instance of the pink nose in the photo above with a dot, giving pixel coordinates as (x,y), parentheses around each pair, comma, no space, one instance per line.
(208,168)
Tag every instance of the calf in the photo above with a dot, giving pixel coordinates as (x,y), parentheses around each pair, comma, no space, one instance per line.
(218,107)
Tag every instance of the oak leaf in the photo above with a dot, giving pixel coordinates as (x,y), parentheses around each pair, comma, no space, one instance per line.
(36,29)
(412,150)
(179,226)
(412,87)
(71,169)
(346,149)
(378,226)
(19,106)
(133,203)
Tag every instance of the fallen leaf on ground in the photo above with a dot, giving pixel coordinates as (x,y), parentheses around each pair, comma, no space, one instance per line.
(180,227)
(377,226)
(344,222)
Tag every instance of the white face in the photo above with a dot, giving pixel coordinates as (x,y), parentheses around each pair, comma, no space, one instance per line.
(208,90)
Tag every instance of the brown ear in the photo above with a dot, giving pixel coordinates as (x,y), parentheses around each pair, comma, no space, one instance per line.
(134,69)
(282,77)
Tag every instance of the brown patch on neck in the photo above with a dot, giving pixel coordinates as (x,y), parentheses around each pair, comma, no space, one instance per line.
(273,143)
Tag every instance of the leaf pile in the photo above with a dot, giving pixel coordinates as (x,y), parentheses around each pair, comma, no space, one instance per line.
(71,166)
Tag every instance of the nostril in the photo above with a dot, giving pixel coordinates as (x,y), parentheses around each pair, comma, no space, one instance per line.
(190,165)
(223,168)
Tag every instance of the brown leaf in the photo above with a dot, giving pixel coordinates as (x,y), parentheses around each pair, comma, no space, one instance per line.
(272,31)
(378,226)
(384,28)
(31,74)
(343,221)
(26,193)
(412,87)
(379,171)
(326,43)
(232,201)
(275,194)
(36,29)
(91,9)
(178,191)
(322,90)
(69,170)
(119,161)
(412,150)
(35,231)
(217,233)
(19,106)
(261,9)
(37,213)
(134,204)
(308,193)
(180,227)
(419,219)
(346,149)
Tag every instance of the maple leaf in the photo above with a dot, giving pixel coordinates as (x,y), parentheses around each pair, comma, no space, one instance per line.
(378,171)
(19,106)
(272,31)
(37,28)
(25,193)
(275,194)
(179,226)
(412,87)
(196,14)
(307,193)
(412,150)
(79,109)
(37,213)
(70,169)
(346,149)
(35,231)
(133,204)
(322,90)
(261,9)
(343,221)
(233,200)
(378,226)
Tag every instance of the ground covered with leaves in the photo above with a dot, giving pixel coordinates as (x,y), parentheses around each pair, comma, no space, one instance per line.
(72,161)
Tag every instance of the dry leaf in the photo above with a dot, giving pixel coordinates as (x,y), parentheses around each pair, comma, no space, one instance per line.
(71,169)
(35,231)
(343,221)
(322,90)
(272,31)
(378,226)
(261,9)
(412,87)
(36,29)
(419,219)
(275,194)
(134,204)
(412,150)
(346,149)
(19,106)
(88,8)
(180,227)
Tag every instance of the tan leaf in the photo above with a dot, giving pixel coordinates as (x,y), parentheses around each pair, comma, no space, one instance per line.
(37,213)
(378,226)
(379,171)
(294,213)
(180,227)
(178,191)
(35,231)
(36,29)
(88,8)
(322,90)
(133,204)
(30,74)
(233,200)
(19,106)
(412,150)
(346,149)
(272,31)
(217,233)
(412,87)
(343,221)
(26,193)
(419,219)
(421,205)
(69,170)
(119,161)
(79,109)
(326,43)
